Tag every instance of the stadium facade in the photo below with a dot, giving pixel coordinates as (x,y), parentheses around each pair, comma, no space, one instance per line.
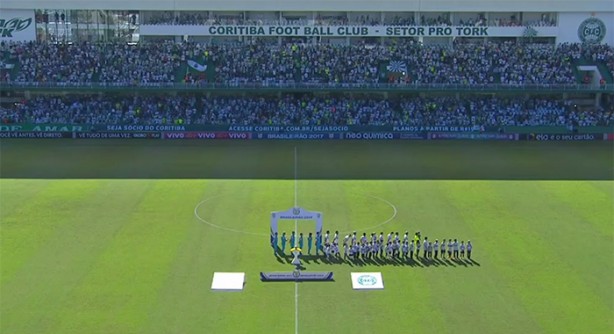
(429,21)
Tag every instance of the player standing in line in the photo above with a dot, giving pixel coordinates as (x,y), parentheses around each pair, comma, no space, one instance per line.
(336,237)
(443,249)
(469,248)
(396,237)
(389,250)
(381,244)
(283,242)
(405,249)
(326,237)
(450,248)
(353,237)
(292,240)
(395,249)
(345,250)
(462,250)
(327,250)
(318,243)
(455,249)
(274,243)
(363,239)
(300,241)
(417,249)
(389,237)
(436,247)
(425,247)
(309,243)
(346,240)
(375,246)
(406,237)
(429,253)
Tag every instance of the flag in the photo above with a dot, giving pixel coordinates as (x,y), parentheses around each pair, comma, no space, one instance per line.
(200,68)
(396,66)
(197,66)
(393,70)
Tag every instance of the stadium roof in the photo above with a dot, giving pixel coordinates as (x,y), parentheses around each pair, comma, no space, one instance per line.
(323,5)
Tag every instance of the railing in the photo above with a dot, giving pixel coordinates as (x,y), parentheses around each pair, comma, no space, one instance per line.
(384,87)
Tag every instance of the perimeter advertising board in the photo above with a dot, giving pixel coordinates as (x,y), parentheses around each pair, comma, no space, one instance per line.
(17,25)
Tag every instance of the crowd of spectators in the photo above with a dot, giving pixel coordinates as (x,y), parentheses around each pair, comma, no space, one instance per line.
(462,63)
(307,109)
(86,63)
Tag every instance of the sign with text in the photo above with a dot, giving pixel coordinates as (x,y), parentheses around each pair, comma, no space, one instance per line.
(564,137)
(35,135)
(341,31)
(473,136)
(207,135)
(296,276)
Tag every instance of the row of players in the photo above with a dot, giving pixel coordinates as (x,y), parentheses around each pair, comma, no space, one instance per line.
(365,247)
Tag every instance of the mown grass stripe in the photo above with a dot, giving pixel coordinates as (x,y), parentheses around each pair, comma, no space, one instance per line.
(38,218)
(530,266)
(117,293)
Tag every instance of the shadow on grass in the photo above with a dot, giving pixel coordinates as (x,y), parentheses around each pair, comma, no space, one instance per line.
(345,160)
(377,261)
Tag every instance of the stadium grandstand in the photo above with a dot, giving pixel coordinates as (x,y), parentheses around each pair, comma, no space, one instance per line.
(471,64)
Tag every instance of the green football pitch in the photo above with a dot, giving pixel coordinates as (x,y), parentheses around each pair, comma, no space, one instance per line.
(124,236)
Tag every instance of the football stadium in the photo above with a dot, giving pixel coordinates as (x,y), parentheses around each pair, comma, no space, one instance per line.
(243,166)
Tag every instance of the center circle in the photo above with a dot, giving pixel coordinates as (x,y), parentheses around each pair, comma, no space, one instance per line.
(354,212)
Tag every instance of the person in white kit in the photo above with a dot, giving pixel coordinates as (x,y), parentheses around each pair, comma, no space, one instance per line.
(443,248)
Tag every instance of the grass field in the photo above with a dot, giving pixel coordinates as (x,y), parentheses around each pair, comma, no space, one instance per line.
(124,237)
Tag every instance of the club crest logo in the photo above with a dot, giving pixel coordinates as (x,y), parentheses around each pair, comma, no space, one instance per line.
(16,24)
(592,31)
(367,280)
(296,211)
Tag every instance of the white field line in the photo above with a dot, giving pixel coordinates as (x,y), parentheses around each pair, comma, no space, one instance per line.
(296,234)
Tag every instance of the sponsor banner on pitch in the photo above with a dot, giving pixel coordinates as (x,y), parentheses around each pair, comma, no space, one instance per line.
(564,137)
(472,136)
(207,135)
(367,281)
(296,276)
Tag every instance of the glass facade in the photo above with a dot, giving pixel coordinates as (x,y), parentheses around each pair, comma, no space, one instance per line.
(68,26)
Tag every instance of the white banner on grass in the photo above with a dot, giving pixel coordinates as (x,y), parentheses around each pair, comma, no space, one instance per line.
(367,281)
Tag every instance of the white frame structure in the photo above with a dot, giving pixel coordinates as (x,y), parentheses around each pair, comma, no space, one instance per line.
(296,213)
